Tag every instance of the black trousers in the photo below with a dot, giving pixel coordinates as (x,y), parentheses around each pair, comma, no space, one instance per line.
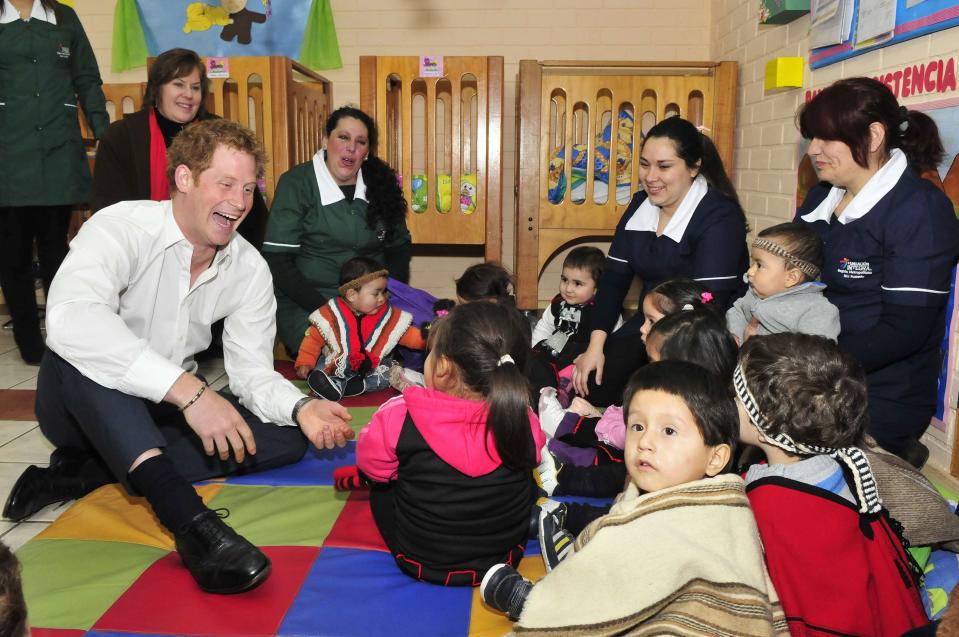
(20,226)
(624,355)
(75,412)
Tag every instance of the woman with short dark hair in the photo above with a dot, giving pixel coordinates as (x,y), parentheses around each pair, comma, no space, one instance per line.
(131,161)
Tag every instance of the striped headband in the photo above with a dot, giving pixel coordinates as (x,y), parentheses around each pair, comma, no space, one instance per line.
(360,281)
(805,267)
(853,457)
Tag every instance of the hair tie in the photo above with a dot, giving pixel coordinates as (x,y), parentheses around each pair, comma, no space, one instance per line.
(706,297)
(505,358)
(903,119)
(687,308)
(440,313)
(703,129)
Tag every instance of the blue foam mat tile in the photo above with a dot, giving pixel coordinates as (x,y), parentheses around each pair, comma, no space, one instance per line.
(315,469)
(352,593)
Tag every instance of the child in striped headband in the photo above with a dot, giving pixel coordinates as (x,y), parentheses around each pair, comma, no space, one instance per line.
(783,294)
(834,554)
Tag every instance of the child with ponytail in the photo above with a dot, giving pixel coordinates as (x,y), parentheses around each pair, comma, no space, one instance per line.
(451,464)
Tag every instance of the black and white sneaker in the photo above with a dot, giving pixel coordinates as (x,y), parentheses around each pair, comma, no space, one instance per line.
(324,386)
(504,589)
(555,542)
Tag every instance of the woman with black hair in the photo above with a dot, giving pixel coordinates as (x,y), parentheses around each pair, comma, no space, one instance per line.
(344,203)
(891,240)
(685,223)
(47,71)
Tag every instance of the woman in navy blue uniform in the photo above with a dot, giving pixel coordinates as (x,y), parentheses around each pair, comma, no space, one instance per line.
(686,222)
(891,240)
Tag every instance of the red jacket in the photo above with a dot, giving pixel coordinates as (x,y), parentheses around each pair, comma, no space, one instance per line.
(837,572)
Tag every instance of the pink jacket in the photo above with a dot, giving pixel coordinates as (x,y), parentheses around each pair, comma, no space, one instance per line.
(455,428)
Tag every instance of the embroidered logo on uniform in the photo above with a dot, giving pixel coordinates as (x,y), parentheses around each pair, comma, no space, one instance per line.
(63,51)
(854,269)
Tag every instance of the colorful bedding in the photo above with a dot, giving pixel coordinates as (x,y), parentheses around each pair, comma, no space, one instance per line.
(601,159)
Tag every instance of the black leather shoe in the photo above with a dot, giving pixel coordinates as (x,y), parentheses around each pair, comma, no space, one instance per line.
(220,560)
(38,487)
(322,386)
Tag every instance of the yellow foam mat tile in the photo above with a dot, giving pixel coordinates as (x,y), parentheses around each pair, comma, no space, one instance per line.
(110,514)
(486,622)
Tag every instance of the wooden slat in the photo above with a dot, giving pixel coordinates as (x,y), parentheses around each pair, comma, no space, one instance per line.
(528,172)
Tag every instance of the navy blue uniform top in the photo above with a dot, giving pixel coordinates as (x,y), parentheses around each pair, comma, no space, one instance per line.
(712,250)
(901,252)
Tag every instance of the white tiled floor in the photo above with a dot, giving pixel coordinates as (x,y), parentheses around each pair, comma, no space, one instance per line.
(22,444)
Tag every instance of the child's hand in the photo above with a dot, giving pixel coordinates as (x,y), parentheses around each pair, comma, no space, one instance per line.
(302,371)
(326,424)
(584,408)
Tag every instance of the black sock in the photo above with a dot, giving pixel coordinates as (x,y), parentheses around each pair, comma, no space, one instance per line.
(173,499)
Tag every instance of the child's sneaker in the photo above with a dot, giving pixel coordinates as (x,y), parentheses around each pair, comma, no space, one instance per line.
(401,378)
(504,589)
(550,411)
(550,506)
(547,473)
(555,542)
(323,386)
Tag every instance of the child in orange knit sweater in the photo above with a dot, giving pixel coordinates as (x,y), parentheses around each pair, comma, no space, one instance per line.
(346,350)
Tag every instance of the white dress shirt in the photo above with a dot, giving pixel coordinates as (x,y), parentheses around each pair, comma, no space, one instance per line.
(122,311)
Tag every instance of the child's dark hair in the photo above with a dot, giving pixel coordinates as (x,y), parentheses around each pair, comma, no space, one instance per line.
(800,241)
(807,388)
(708,398)
(13,608)
(697,336)
(358,267)
(586,258)
(486,282)
(673,295)
(475,337)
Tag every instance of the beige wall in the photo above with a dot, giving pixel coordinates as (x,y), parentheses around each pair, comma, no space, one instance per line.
(532,29)
(767,142)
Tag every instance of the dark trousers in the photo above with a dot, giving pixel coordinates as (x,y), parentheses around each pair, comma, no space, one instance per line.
(624,355)
(75,412)
(20,226)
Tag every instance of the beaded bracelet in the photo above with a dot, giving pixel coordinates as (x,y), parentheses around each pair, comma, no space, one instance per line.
(195,398)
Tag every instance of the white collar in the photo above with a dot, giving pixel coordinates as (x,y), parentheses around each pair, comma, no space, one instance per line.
(329,190)
(884,180)
(39,12)
(646,217)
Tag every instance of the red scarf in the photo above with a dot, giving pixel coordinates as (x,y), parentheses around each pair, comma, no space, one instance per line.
(159,185)
(356,339)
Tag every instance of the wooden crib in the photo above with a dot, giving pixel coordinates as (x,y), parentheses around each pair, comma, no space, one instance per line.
(443,135)
(595,114)
(282,101)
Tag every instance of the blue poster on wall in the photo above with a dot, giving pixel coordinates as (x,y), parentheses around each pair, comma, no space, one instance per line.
(225,28)
(913,19)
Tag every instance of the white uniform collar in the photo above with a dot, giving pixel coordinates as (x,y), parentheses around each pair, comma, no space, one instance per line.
(329,190)
(646,217)
(875,189)
(39,12)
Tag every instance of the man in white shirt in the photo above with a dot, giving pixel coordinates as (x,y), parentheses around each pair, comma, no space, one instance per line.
(117,392)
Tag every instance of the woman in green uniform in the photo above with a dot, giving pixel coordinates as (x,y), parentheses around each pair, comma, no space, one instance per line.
(344,203)
(47,70)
